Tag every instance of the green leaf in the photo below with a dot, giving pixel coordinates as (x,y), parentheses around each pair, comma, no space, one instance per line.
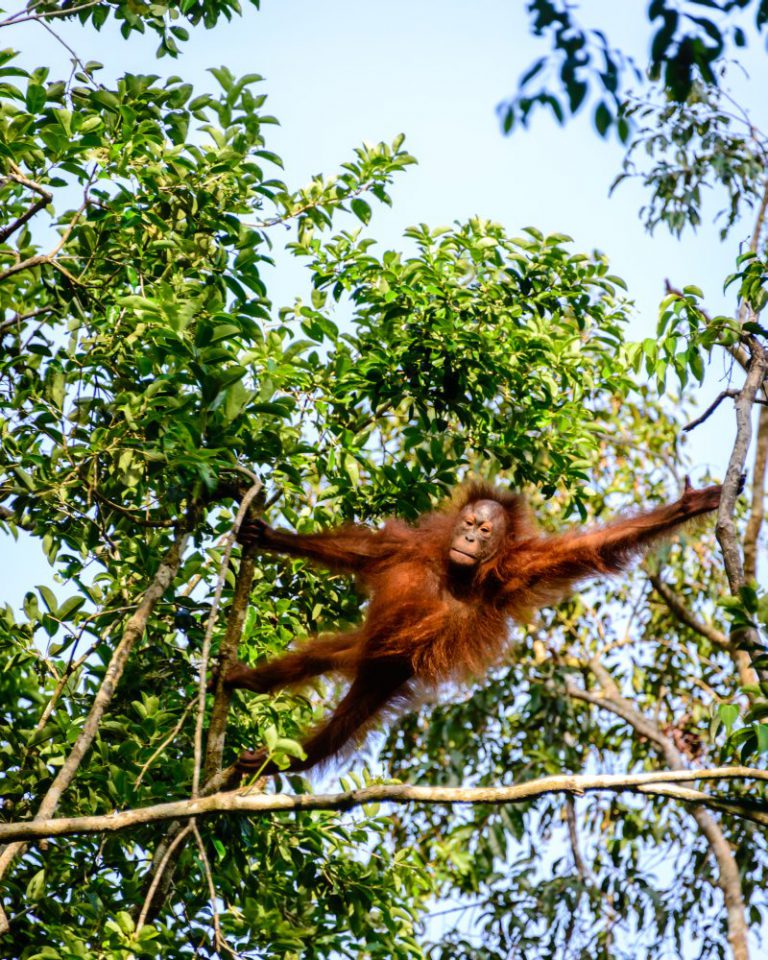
(70,607)
(728,713)
(35,98)
(603,118)
(292,747)
(36,886)
(361,209)
(49,598)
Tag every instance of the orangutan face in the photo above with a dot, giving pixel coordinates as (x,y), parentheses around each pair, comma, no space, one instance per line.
(478,533)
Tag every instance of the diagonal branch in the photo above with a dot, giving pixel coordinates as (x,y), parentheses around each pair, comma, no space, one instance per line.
(41,258)
(134,629)
(168,849)
(716,637)
(22,16)
(729,878)
(203,674)
(44,198)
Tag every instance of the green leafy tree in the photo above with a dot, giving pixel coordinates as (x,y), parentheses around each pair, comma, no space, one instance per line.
(152,394)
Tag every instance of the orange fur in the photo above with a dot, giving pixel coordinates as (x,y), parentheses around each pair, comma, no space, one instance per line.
(429,622)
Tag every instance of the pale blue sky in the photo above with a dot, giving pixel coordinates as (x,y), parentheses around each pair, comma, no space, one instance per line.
(342,71)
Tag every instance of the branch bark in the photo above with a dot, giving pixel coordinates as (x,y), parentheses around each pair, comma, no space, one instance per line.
(44,199)
(243,802)
(214,748)
(757,508)
(725,529)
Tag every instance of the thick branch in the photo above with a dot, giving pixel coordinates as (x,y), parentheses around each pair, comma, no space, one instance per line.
(242,802)
(757,508)
(754,242)
(725,530)
(726,527)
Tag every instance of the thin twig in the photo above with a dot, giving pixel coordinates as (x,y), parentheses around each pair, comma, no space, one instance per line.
(41,258)
(159,873)
(17,318)
(31,210)
(126,511)
(71,668)
(23,17)
(710,409)
(219,939)
(169,739)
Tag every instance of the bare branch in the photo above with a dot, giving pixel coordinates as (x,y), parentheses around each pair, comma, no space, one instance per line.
(725,529)
(729,878)
(217,724)
(17,318)
(50,258)
(181,835)
(219,939)
(688,795)
(710,409)
(44,199)
(244,802)
(754,242)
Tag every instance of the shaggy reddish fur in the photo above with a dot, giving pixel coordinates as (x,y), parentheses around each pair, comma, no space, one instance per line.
(428,621)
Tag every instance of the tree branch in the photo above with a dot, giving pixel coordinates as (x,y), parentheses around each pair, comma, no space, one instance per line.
(243,802)
(168,849)
(50,258)
(757,508)
(729,878)
(684,615)
(710,409)
(134,629)
(44,199)
(203,674)
(725,529)
(22,16)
